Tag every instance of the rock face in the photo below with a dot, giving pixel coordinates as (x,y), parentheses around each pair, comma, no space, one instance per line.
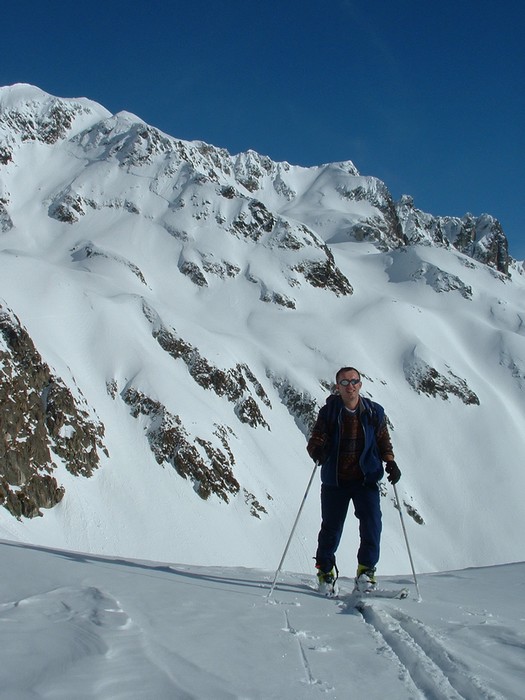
(479,237)
(209,468)
(41,423)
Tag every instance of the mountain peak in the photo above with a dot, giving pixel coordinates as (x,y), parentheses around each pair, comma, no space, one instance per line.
(30,114)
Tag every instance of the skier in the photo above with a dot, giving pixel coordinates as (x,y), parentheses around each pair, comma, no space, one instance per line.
(350,440)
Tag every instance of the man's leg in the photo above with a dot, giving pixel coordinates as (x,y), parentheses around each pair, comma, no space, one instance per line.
(334,507)
(367,510)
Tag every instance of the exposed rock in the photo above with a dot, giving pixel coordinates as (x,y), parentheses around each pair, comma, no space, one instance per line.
(325,275)
(69,206)
(193,272)
(482,238)
(209,468)
(40,420)
(300,404)
(479,237)
(74,437)
(287,238)
(89,251)
(385,228)
(253,225)
(407,265)
(419,227)
(250,168)
(255,507)
(6,155)
(427,380)
(6,224)
(414,513)
(228,191)
(222,268)
(278,298)
(442,281)
(234,384)
(48,124)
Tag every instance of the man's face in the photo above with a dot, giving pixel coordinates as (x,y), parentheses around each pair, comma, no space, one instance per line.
(349,384)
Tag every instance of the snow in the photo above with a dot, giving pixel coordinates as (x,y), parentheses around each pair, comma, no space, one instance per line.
(79,625)
(89,605)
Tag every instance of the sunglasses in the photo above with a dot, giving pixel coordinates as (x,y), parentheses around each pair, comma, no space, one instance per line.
(347,382)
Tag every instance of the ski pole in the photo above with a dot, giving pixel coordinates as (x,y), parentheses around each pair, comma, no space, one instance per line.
(291,533)
(398,505)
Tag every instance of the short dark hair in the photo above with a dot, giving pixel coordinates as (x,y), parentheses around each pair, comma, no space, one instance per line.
(347,369)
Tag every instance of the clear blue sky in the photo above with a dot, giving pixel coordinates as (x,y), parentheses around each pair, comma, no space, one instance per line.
(428,96)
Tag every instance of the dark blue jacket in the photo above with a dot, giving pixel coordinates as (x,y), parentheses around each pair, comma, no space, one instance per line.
(372,417)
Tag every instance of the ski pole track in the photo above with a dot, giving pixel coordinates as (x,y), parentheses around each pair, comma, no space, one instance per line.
(309,677)
(431,667)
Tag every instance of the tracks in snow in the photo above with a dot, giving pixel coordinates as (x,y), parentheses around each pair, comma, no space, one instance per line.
(424,660)
(309,678)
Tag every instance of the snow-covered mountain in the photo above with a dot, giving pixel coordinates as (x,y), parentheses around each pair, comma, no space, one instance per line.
(173,316)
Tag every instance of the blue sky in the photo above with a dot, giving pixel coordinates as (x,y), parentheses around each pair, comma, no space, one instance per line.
(427,96)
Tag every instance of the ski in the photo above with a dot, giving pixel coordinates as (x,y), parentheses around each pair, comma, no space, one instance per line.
(398,593)
(340,591)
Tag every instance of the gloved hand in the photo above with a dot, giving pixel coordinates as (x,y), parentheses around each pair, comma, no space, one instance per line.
(317,455)
(393,471)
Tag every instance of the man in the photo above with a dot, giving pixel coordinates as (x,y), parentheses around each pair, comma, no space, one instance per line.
(350,440)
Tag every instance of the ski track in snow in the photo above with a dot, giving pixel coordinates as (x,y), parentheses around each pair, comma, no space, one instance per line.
(424,661)
(302,638)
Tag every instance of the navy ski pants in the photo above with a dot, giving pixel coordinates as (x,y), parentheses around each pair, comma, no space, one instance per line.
(335,501)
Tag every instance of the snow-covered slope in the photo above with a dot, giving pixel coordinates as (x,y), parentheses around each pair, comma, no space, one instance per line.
(85,627)
(187,311)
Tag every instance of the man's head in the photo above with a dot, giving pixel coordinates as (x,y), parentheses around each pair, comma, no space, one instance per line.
(343,370)
(348,380)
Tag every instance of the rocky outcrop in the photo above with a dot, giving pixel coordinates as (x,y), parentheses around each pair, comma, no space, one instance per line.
(479,237)
(407,265)
(28,114)
(238,384)
(384,228)
(46,125)
(325,275)
(300,404)
(426,379)
(6,223)
(208,466)
(69,206)
(41,423)
(87,252)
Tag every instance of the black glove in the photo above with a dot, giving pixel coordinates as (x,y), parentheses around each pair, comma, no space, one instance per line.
(393,471)
(317,455)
